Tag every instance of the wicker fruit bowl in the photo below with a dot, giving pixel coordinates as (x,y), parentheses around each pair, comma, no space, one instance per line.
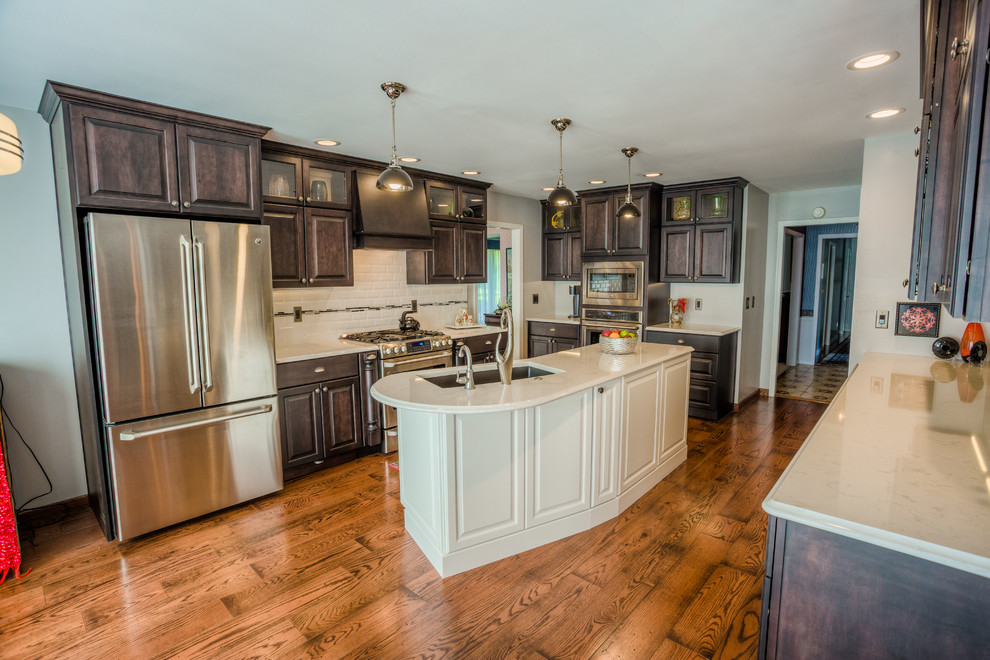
(618,345)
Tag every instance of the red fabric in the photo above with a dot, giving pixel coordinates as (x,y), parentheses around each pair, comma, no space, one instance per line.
(10,549)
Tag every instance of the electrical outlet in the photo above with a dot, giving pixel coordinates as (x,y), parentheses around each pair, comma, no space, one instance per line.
(297,314)
(882,315)
(414,306)
(747,302)
(536,299)
(697,304)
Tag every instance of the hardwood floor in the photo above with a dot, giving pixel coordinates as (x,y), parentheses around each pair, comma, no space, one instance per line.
(325,569)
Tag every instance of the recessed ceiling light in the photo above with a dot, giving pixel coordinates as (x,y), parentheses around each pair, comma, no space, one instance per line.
(326,142)
(546,189)
(652,174)
(409,159)
(471,172)
(873,60)
(596,182)
(886,112)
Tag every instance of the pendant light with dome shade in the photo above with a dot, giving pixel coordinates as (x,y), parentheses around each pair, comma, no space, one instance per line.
(628,210)
(11,150)
(561,196)
(394,178)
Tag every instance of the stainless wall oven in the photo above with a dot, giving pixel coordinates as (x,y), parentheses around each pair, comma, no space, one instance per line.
(620,283)
(596,321)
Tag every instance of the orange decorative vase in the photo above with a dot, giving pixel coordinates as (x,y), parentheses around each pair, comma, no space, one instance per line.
(972,334)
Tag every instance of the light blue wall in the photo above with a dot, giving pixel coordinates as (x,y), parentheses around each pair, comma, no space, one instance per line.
(35,360)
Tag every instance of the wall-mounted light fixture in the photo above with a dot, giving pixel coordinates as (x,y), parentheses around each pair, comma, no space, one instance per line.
(11,150)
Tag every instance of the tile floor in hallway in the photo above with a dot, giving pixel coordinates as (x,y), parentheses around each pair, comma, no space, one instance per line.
(812,382)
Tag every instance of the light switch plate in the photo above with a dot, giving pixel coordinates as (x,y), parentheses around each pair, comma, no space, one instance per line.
(414,306)
(297,314)
(536,299)
(697,304)
(882,315)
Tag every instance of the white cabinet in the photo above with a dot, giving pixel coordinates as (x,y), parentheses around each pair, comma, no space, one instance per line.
(490,507)
(607,400)
(559,448)
(640,452)
(676,384)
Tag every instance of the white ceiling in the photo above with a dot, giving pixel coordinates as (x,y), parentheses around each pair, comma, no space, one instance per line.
(705,88)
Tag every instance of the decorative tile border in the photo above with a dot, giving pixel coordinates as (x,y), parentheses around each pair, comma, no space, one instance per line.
(374,308)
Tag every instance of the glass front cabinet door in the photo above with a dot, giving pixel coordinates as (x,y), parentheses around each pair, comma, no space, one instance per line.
(325,185)
(714,204)
(281,179)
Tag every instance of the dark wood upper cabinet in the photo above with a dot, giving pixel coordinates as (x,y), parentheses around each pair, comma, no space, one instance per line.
(310,247)
(129,155)
(459,256)
(218,172)
(287,226)
(293,179)
(701,231)
(123,161)
(281,178)
(605,234)
(951,243)
(453,202)
(561,219)
(562,256)
(329,260)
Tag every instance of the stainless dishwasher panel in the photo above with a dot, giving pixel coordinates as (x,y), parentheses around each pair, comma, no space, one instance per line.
(178,467)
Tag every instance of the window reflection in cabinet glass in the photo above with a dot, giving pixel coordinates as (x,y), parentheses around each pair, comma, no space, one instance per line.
(442,201)
(680,208)
(326,186)
(279,179)
(715,205)
(472,205)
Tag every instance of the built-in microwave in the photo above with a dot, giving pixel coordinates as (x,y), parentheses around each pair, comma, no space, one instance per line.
(613,283)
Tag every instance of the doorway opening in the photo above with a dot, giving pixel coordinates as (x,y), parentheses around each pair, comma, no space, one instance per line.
(812,326)
(504,256)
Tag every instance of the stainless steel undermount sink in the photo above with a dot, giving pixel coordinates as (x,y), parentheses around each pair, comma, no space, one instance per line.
(487,376)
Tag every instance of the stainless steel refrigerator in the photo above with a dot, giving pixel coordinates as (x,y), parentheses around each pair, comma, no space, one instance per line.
(183,345)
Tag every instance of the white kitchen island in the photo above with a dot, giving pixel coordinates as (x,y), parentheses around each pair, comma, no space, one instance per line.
(490,472)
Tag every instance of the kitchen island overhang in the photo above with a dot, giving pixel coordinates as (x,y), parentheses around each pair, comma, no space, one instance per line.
(488,473)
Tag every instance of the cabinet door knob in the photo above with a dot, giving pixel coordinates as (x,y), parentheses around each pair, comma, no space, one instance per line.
(317,390)
(326,389)
(959,48)
(309,199)
(601,390)
(680,341)
(906,281)
(186,204)
(300,198)
(917,129)
(311,280)
(303,280)
(917,151)
(175,202)
(936,288)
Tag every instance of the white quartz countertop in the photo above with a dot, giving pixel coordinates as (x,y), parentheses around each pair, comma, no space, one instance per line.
(550,318)
(461,333)
(319,349)
(577,369)
(900,459)
(696,329)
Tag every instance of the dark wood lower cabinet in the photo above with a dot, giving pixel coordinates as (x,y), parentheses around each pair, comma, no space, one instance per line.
(831,596)
(546,338)
(321,416)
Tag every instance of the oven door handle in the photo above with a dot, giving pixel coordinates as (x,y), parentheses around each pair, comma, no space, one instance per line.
(440,360)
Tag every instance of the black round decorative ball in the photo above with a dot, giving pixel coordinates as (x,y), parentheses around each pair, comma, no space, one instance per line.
(945,348)
(978,353)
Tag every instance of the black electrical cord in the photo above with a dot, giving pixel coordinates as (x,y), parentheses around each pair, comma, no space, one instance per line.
(24,442)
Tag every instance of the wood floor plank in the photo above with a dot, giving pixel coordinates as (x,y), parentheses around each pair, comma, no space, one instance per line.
(325,568)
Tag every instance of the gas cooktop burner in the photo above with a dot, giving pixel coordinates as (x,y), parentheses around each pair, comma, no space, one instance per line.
(387,336)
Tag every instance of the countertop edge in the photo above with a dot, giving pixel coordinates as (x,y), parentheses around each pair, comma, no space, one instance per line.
(554,319)
(584,384)
(713,330)
(958,559)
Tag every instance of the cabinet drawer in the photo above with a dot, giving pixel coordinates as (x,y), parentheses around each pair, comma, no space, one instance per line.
(704,343)
(701,395)
(480,343)
(704,366)
(562,330)
(304,372)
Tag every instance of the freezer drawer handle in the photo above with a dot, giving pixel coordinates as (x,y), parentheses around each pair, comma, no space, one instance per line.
(204,321)
(203,422)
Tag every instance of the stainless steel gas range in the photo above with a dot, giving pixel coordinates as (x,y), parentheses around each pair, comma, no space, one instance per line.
(405,350)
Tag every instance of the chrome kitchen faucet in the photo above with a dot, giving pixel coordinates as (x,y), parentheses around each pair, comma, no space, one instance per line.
(504,362)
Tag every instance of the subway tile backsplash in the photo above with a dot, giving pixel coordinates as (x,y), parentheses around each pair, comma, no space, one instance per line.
(377,299)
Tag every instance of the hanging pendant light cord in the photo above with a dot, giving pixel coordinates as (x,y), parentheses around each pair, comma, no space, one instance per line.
(560,176)
(629,180)
(395,161)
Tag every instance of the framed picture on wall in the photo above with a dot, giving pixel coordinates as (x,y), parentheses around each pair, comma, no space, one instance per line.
(916,319)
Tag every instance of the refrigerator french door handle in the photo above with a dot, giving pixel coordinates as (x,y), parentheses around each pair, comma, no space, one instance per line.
(188,310)
(203,422)
(204,321)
